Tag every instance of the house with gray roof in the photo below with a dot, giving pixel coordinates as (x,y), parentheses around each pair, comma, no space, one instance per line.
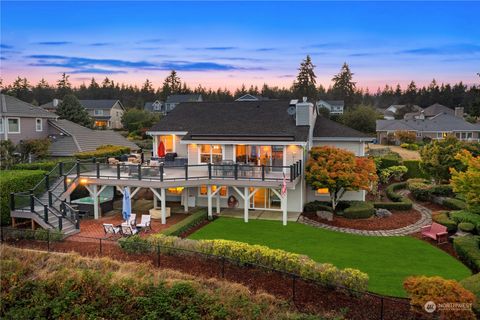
(392,111)
(432,111)
(155,106)
(436,127)
(20,120)
(251,97)
(174,100)
(333,106)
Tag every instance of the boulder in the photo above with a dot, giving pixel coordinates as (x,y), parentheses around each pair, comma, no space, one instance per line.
(327,215)
(382,213)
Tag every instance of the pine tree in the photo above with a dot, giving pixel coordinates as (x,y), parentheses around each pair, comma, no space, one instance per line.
(63,86)
(21,89)
(305,85)
(71,109)
(43,92)
(343,86)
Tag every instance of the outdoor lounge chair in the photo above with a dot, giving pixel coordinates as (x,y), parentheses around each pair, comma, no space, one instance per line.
(145,223)
(133,219)
(110,230)
(128,230)
(436,232)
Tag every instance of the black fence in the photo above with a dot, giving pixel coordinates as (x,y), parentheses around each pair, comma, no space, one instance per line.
(306,294)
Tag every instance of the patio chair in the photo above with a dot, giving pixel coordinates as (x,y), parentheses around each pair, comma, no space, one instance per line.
(133,219)
(436,232)
(145,223)
(128,230)
(110,230)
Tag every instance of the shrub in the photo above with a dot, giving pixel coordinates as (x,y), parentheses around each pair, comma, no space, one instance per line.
(15,181)
(406,137)
(316,205)
(396,172)
(414,169)
(420,189)
(413,146)
(454,204)
(399,202)
(135,244)
(423,289)
(472,284)
(404,145)
(38,148)
(444,220)
(468,251)
(359,210)
(103,151)
(244,253)
(193,220)
(43,165)
(465,216)
(388,160)
(442,190)
(466,226)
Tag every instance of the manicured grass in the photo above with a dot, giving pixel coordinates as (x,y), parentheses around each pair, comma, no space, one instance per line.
(387,260)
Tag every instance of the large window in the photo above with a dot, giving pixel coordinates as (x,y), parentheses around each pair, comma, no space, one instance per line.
(223,191)
(168,142)
(13,125)
(98,112)
(38,125)
(211,153)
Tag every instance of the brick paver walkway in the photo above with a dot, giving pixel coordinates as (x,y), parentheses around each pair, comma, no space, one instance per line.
(425,220)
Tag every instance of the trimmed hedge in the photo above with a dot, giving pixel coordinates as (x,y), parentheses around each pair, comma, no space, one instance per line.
(454,204)
(414,169)
(465,216)
(193,220)
(466,226)
(444,220)
(316,205)
(359,210)
(468,251)
(399,202)
(15,181)
(472,284)
(420,189)
(442,190)
(103,151)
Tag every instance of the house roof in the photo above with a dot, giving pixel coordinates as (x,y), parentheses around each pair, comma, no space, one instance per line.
(179,98)
(76,138)
(239,121)
(251,97)
(149,105)
(49,105)
(11,106)
(437,108)
(439,123)
(326,128)
(99,104)
(336,103)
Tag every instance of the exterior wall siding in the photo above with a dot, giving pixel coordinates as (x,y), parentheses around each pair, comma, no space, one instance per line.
(354,146)
(27,130)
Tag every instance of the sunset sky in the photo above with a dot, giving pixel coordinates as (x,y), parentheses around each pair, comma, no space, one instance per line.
(226,44)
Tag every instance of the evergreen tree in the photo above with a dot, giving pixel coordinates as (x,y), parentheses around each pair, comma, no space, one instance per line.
(63,86)
(43,92)
(21,89)
(305,85)
(71,109)
(343,86)
(171,85)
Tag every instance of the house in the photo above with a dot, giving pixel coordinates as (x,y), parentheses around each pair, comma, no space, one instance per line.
(432,111)
(334,106)
(68,138)
(155,106)
(174,100)
(392,111)
(436,127)
(105,113)
(20,120)
(251,97)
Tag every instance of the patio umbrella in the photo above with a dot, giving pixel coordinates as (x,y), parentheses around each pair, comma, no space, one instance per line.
(161,150)
(126,204)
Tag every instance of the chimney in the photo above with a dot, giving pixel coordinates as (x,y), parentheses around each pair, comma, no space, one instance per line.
(304,113)
(459,112)
(55,103)
(422,115)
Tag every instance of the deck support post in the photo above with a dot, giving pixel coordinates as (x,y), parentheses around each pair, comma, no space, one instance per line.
(218,199)
(164,205)
(185,199)
(284,208)
(209,198)
(96,209)
(246,204)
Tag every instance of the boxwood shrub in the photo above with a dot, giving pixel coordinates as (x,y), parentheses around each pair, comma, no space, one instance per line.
(454,204)
(399,202)
(318,206)
(466,226)
(444,220)
(103,151)
(442,190)
(465,216)
(468,251)
(414,169)
(359,210)
(193,220)
(420,189)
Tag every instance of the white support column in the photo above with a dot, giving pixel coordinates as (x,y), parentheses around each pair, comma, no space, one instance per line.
(218,199)
(284,208)
(246,204)
(209,198)
(164,205)
(185,201)
(96,209)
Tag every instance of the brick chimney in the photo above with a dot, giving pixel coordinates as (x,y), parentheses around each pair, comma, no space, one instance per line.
(459,112)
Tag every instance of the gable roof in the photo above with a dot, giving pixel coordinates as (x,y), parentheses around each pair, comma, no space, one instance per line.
(179,98)
(251,97)
(336,103)
(437,108)
(76,138)
(11,106)
(236,121)
(441,122)
(99,104)
(149,105)
(327,128)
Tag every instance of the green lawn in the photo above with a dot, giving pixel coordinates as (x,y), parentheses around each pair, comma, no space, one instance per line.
(387,260)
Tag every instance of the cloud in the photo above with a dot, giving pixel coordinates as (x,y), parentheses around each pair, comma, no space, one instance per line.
(265,49)
(3,58)
(200,66)
(325,45)
(153,40)
(78,62)
(214,48)
(96,71)
(239,59)
(5,46)
(452,49)
(287,76)
(99,44)
(362,54)
(53,43)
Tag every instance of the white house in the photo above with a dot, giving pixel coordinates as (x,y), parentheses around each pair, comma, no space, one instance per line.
(334,106)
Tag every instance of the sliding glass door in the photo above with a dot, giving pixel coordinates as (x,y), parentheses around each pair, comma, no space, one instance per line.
(260,155)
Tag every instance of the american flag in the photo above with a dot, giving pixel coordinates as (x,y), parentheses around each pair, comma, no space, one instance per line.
(284,186)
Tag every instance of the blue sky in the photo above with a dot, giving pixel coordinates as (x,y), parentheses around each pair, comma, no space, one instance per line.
(229,43)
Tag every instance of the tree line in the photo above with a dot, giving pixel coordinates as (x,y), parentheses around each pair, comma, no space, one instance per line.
(343,88)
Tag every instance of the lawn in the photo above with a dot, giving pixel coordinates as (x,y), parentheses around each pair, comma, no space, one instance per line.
(387,260)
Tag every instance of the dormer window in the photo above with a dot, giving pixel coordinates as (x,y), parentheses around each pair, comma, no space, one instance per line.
(98,112)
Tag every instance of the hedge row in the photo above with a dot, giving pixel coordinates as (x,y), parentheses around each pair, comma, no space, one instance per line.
(316,205)
(422,190)
(103,151)
(15,181)
(45,165)
(399,202)
(244,253)
(468,251)
(193,220)
(359,210)
(454,204)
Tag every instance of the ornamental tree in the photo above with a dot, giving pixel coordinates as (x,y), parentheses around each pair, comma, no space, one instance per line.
(467,182)
(339,171)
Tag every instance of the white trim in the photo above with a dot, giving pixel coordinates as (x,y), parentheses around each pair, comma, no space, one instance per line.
(19,126)
(343,139)
(199,157)
(159,133)
(41,124)
(268,143)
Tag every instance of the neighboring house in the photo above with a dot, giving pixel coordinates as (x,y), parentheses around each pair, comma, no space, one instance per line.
(432,111)
(155,106)
(392,111)
(436,127)
(105,113)
(260,141)
(174,100)
(20,120)
(251,97)
(69,138)
(334,106)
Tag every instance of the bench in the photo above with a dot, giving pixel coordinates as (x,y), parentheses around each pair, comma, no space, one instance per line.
(436,232)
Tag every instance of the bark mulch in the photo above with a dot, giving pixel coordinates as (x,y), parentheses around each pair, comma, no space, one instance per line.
(304,295)
(398,219)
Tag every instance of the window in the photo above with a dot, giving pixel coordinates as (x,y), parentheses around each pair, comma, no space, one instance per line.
(13,125)
(223,191)
(322,192)
(38,125)
(176,191)
(419,134)
(168,142)
(211,153)
(98,112)
(1,125)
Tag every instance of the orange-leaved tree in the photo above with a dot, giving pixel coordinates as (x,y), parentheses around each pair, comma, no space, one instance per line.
(340,171)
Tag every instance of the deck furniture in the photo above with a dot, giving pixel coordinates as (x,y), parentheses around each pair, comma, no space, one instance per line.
(110,230)
(436,232)
(128,230)
(145,223)
(133,219)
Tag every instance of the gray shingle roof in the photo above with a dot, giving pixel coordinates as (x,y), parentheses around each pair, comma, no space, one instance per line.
(326,128)
(337,103)
(179,98)
(437,108)
(98,104)
(77,138)
(442,122)
(238,120)
(11,106)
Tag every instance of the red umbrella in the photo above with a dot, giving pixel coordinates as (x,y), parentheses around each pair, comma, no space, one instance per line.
(161,150)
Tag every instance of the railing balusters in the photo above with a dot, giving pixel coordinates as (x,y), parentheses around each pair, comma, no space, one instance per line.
(118,170)
(45,213)
(78,167)
(209,171)
(263,172)
(12,201)
(139,172)
(161,172)
(291,173)
(186,171)
(47,181)
(235,172)
(32,203)
(60,169)
(98,169)
(50,198)
(60,223)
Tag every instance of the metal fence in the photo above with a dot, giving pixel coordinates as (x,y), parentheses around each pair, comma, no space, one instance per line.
(306,294)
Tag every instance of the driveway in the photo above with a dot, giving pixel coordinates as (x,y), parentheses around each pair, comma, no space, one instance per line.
(404,153)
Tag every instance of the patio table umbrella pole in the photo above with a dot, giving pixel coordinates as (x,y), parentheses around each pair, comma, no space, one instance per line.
(126,205)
